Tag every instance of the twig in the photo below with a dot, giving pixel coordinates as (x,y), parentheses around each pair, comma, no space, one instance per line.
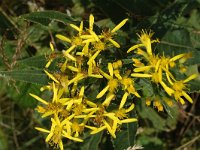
(2,54)
(20,43)
(189,142)
(13,127)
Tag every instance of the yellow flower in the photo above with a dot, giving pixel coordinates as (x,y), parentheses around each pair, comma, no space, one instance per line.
(74,41)
(128,85)
(112,82)
(74,100)
(145,39)
(53,107)
(179,87)
(51,56)
(108,35)
(148,102)
(111,120)
(58,131)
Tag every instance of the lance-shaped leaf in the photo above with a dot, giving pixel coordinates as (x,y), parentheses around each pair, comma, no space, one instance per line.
(35,61)
(92,142)
(45,17)
(29,76)
(126,137)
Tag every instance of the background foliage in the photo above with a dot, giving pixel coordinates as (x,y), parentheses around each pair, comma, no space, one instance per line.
(26,27)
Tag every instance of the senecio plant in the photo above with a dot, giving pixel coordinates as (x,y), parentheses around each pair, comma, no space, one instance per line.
(73,111)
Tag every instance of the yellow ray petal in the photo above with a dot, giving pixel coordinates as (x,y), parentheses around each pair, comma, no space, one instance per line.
(190,78)
(109,129)
(95,76)
(119,25)
(71,138)
(94,35)
(103,92)
(167,89)
(81,28)
(70,49)
(93,57)
(177,57)
(51,76)
(114,43)
(73,68)
(81,93)
(91,104)
(105,75)
(55,93)
(48,63)
(181,101)
(61,145)
(42,130)
(63,38)
(69,56)
(129,120)
(98,130)
(51,46)
(130,108)
(108,99)
(123,101)
(91,22)
(187,97)
(141,75)
(75,27)
(141,69)
(76,79)
(38,98)
(134,47)
(110,68)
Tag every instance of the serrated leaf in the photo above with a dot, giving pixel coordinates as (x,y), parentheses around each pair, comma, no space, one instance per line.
(29,76)
(92,143)
(126,137)
(35,61)
(45,17)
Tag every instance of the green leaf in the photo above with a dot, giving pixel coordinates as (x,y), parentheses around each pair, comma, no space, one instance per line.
(6,25)
(147,88)
(194,85)
(92,142)
(126,137)
(176,42)
(29,76)
(148,113)
(20,94)
(35,61)
(45,17)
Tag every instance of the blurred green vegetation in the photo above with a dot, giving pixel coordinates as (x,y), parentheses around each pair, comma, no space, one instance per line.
(24,48)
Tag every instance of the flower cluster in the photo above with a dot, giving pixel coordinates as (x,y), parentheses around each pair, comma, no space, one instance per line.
(158,69)
(70,109)
(84,72)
